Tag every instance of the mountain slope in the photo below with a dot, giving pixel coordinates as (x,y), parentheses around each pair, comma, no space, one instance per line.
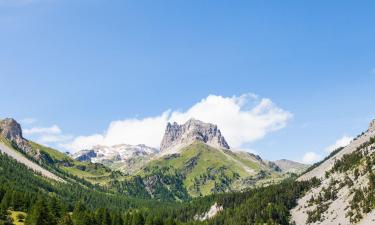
(49,159)
(5,149)
(209,170)
(347,189)
(290,166)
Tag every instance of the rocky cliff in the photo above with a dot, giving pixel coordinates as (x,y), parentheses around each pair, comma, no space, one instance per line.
(178,136)
(11,130)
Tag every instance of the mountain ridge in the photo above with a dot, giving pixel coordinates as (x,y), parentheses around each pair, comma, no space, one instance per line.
(347,186)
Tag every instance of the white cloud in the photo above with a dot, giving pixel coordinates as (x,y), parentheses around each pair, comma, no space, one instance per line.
(311,157)
(42,130)
(47,135)
(242,119)
(342,142)
(51,138)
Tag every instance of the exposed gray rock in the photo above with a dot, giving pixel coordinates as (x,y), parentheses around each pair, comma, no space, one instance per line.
(85,155)
(372,126)
(177,136)
(11,130)
(274,166)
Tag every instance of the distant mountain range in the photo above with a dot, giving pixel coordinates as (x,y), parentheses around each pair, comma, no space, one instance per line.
(195,161)
(195,155)
(199,153)
(123,157)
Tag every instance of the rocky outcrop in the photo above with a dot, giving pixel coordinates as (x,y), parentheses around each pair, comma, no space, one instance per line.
(85,155)
(11,130)
(214,210)
(177,136)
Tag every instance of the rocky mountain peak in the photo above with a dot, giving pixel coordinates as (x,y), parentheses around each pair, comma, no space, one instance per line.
(177,136)
(11,130)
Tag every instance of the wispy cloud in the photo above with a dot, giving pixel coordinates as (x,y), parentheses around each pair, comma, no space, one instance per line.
(242,120)
(43,130)
(47,135)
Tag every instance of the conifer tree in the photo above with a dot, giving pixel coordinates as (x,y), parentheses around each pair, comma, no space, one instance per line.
(40,214)
(66,220)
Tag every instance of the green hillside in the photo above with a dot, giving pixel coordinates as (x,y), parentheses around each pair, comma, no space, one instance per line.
(209,170)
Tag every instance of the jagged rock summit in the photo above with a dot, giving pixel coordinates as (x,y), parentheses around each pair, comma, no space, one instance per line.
(11,130)
(178,136)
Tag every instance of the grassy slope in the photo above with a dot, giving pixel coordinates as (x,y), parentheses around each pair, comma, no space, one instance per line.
(94,173)
(200,160)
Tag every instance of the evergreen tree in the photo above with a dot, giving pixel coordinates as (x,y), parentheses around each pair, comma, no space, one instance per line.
(137,219)
(149,220)
(4,218)
(103,217)
(128,219)
(40,214)
(117,219)
(66,220)
(80,215)
(170,221)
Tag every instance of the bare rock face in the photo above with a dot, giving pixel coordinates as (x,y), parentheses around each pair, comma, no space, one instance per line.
(177,136)
(372,126)
(11,130)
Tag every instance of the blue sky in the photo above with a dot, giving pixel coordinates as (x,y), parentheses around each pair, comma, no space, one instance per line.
(80,65)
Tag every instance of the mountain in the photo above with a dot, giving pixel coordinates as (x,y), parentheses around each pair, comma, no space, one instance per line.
(58,166)
(346,191)
(123,157)
(207,170)
(194,156)
(290,166)
(178,136)
(202,158)
(46,160)
(11,130)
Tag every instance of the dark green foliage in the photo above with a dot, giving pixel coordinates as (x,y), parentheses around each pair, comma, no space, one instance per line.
(347,162)
(66,220)
(164,184)
(48,202)
(137,219)
(40,214)
(269,205)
